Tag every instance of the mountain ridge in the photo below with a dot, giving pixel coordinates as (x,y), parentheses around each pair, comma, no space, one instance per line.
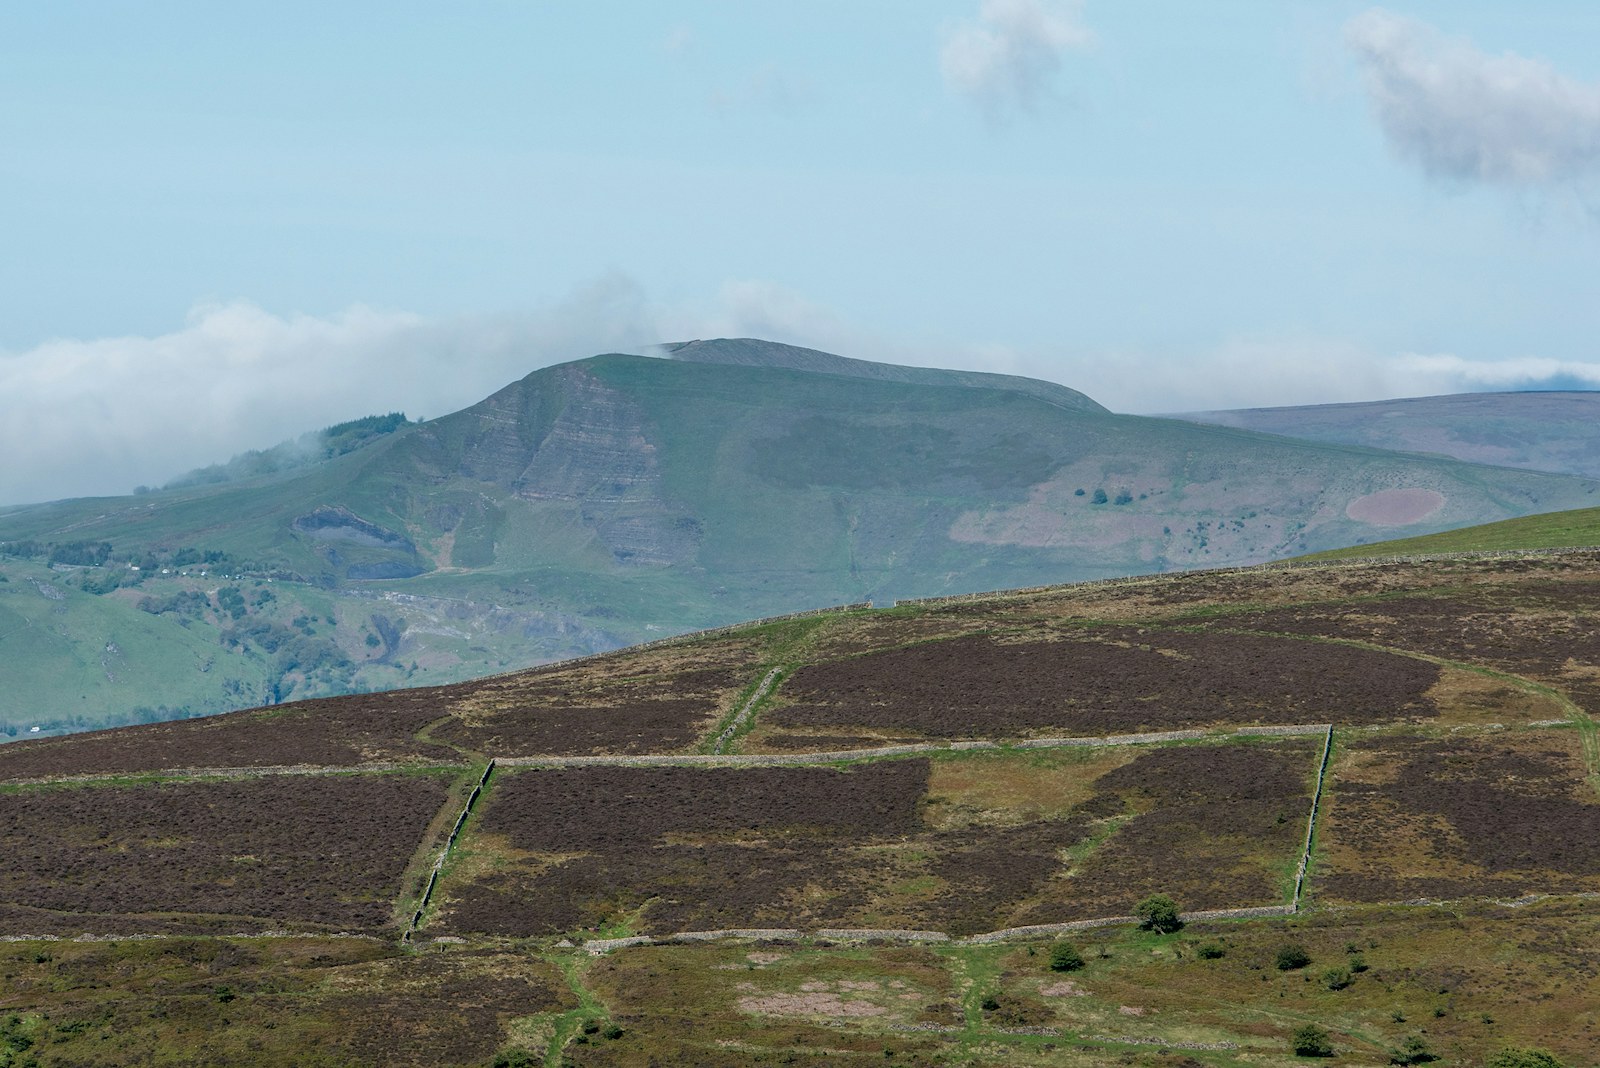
(1540,430)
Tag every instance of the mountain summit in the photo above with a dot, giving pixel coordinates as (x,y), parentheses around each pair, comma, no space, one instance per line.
(753,352)
(618,498)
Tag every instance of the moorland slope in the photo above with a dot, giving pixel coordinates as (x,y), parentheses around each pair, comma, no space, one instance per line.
(1371,787)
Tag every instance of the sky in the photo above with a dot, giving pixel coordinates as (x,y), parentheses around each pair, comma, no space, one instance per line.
(222,225)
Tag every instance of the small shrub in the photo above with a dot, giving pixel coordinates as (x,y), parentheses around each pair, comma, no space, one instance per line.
(591,1027)
(1292,955)
(1311,1041)
(1064,957)
(613,1032)
(1336,978)
(990,1004)
(1211,951)
(1158,913)
(1513,1057)
(1358,963)
(1414,1050)
(514,1058)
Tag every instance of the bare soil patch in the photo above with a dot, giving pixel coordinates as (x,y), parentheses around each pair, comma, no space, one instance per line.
(1395,507)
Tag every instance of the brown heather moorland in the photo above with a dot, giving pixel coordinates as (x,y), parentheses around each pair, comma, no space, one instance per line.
(1452,867)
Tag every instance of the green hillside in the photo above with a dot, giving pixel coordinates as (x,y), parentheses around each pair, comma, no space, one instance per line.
(1579,528)
(621,498)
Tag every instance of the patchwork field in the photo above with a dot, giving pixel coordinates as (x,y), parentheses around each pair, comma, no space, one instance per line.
(902,810)
(961,844)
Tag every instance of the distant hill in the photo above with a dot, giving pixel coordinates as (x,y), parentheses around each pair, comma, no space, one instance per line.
(1550,431)
(620,498)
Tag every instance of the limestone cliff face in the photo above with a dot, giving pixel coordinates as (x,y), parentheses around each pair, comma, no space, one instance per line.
(562,439)
(597,450)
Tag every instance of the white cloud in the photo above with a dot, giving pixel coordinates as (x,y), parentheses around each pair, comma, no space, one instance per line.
(1006,57)
(91,417)
(1465,115)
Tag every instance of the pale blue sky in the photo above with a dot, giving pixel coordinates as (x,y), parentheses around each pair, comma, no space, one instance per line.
(268,208)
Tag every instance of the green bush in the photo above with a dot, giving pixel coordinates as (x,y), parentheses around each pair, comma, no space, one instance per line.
(1512,1057)
(1336,978)
(515,1058)
(1414,1050)
(1311,1041)
(1158,913)
(1292,955)
(1064,957)
(1211,951)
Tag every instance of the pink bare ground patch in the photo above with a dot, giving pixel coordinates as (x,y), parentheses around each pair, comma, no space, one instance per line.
(1395,507)
(1066,988)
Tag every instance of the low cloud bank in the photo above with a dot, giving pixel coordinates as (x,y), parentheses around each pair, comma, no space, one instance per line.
(94,417)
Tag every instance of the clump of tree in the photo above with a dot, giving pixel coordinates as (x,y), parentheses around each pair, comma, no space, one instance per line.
(1291,955)
(1311,1041)
(1064,957)
(1158,913)
(298,452)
